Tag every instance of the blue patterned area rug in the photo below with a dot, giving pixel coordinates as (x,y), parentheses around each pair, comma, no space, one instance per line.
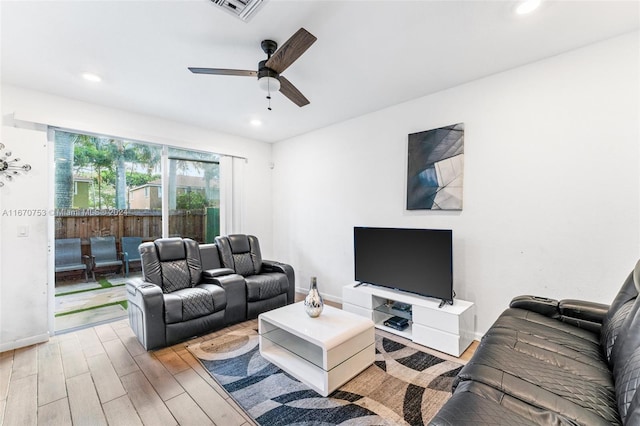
(404,386)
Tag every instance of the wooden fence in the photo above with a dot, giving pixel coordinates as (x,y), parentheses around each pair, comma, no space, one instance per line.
(129,223)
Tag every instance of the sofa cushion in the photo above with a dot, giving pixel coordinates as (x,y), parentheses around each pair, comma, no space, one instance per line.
(175,275)
(171,263)
(217,294)
(627,339)
(627,382)
(244,264)
(266,286)
(467,409)
(625,357)
(241,253)
(611,329)
(633,412)
(552,330)
(189,303)
(580,382)
(530,342)
(475,403)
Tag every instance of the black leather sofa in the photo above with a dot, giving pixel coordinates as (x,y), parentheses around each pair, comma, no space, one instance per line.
(186,290)
(267,282)
(549,362)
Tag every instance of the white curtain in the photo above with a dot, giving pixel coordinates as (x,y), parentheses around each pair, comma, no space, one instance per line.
(232,171)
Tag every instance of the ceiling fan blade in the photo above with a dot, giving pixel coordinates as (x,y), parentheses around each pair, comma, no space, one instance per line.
(290,91)
(291,50)
(222,71)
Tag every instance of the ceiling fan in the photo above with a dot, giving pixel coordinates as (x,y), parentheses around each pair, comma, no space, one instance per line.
(270,70)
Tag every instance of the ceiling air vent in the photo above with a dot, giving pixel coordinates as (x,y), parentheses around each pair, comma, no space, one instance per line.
(243,9)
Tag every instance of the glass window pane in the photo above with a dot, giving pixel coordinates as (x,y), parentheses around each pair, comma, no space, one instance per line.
(106,186)
(194,199)
(99,178)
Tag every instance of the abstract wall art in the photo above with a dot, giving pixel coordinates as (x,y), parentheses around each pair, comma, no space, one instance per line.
(435,169)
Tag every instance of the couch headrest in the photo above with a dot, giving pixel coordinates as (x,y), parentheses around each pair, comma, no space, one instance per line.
(170,249)
(239,243)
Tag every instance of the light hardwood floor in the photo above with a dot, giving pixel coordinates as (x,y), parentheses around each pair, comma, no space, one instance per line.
(102,375)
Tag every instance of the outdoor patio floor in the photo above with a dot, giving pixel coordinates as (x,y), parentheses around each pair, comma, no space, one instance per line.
(89,299)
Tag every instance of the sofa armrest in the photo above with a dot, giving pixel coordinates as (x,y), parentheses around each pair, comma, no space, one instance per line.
(217,272)
(582,314)
(582,310)
(146,295)
(236,292)
(146,312)
(541,305)
(273,266)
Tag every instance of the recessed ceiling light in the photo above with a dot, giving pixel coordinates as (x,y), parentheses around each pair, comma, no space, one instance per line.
(256,122)
(527,6)
(94,78)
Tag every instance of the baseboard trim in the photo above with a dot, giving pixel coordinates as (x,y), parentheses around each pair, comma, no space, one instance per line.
(40,338)
(324,296)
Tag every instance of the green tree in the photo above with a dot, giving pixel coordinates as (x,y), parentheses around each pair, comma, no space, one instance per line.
(108,160)
(92,152)
(191,200)
(138,179)
(148,155)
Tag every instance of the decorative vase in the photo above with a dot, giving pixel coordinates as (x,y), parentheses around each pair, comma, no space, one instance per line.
(313,303)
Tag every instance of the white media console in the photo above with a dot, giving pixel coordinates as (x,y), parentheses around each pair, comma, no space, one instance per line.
(449,329)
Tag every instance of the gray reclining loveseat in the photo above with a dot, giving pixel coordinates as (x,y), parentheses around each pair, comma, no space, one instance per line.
(547,362)
(186,291)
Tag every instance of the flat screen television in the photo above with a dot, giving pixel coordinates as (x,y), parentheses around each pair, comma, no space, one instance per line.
(415,260)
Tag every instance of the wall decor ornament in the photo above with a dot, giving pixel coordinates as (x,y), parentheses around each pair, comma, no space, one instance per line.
(10,167)
(435,169)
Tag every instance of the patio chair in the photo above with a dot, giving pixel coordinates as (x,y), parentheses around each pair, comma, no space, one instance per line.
(104,254)
(130,253)
(68,256)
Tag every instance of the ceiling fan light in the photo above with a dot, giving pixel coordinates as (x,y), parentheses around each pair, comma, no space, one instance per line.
(269,84)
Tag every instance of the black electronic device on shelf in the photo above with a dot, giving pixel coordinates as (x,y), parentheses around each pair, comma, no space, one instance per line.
(397,323)
(418,261)
(404,307)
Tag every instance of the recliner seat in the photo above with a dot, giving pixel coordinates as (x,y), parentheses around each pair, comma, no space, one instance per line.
(269,284)
(172,302)
(189,289)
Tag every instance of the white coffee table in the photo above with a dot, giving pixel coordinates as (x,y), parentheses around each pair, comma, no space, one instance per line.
(323,352)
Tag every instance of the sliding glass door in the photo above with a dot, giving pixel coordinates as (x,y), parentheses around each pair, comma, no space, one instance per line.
(194,195)
(110,195)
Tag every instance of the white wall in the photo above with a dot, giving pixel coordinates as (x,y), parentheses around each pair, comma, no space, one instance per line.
(23,261)
(551,186)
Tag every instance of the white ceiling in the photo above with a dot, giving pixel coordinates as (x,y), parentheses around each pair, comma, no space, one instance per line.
(369,54)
